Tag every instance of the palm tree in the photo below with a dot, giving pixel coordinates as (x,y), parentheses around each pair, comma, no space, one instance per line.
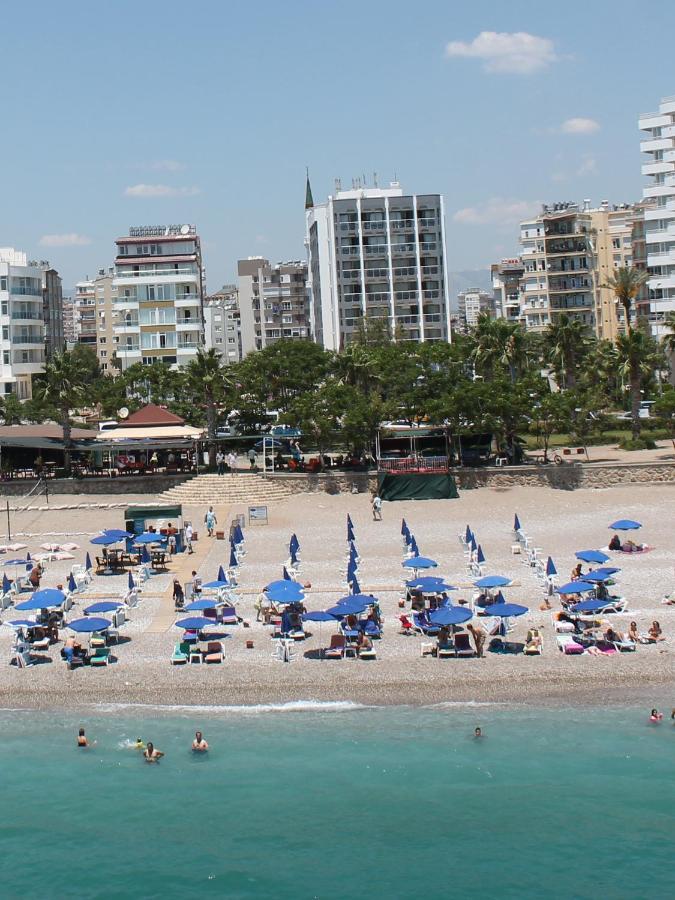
(498,342)
(638,357)
(626,283)
(64,384)
(208,382)
(565,340)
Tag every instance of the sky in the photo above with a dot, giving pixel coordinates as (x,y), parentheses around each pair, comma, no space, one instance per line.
(130,113)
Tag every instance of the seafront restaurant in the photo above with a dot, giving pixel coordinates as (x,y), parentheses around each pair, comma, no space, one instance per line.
(148,441)
(413,463)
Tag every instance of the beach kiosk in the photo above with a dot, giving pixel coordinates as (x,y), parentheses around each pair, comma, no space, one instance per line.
(140,518)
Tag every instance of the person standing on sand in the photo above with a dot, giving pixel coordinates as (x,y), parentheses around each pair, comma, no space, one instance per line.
(188,538)
(479,637)
(232,462)
(210,521)
(377,508)
(220,462)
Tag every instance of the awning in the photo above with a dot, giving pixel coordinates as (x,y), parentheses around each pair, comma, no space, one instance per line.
(156,432)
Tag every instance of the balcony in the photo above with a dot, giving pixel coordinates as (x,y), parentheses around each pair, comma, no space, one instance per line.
(348,226)
(406,272)
(373,226)
(164,272)
(406,295)
(402,248)
(378,274)
(36,340)
(350,250)
(351,273)
(427,222)
(187,346)
(26,315)
(377,297)
(121,349)
(402,225)
(188,300)
(429,270)
(375,249)
(431,295)
(18,290)
(407,320)
(428,248)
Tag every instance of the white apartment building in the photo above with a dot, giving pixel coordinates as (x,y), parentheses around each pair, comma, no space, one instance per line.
(273,302)
(377,254)
(160,288)
(659,145)
(472,304)
(222,324)
(21,319)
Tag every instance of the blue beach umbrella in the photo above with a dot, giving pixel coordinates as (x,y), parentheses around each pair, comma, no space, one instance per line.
(480,556)
(284,598)
(130,582)
(414,549)
(350,532)
(149,537)
(347,609)
(71,583)
(472,543)
(592,556)
(198,605)
(576,587)
(103,606)
(450,615)
(516,523)
(404,526)
(44,599)
(492,581)
(287,577)
(282,584)
(604,570)
(89,624)
(318,615)
(550,568)
(233,559)
(357,597)
(105,540)
(87,562)
(238,534)
(6,583)
(349,520)
(215,585)
(145,554)
(29,558)
(420,562)
(221,576)
(118,533)
(294,558)
(591,605)
(428,584)
(597,577)
(625,525)
(408,538)
(15,562)
(294,543)
(21,623)
(506,610)
(355,586)
(468,534)
(194,623)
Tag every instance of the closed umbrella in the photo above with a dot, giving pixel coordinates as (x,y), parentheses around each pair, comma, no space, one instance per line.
(87,562)
(516,523)
(238,534)
(414,549)
(294,543)
(233,559)
(450,615)
(89,624)
(221,576)
(103,606)
(468,534)
(408,538)
(355,586)
(473,544)
(420,562)
(625,525)
(404,526)
(550,568)
(350,531)
(287,577)
(492,581)
(294,558)
(130,582)
(480,556)
(71,583)
(592,556)
(6,583)
(349,520)
(145,554)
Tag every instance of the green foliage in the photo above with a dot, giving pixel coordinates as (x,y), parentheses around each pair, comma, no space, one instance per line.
(637,444)
(11,409)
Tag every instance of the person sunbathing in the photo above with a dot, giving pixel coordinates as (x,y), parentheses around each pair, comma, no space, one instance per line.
(612,636)
(532,641)
(199,745)
(655,634)
(576,573)
(151,754)
(443,639)
(363,643)
(615,543)
(633,633)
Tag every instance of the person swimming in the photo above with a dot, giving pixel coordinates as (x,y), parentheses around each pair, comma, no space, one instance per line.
(477,733)
(151,754)
(82,738)
(199,745)
(139,744)
(655,716)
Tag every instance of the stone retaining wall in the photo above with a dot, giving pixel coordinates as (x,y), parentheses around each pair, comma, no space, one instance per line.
(132,484)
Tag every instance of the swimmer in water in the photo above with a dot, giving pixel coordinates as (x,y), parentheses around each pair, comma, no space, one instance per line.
(199,745)
(655,716)
(82,738)
(139,745)
(477,733)
(152,755)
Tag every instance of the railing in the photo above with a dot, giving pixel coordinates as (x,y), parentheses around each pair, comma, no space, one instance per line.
(377,297)
(406,295)
(402,248)
(375,250)
(405,271)
(377,273)
(407,320)
(430,270)
(413,464)
(427,248)
(373,226)
(351,273)
(431,295)
(26,291)
(149,273)
(28,339)
(427,223)
(26,314)
(349,251)
(348,226)
(401,224)
(127,348)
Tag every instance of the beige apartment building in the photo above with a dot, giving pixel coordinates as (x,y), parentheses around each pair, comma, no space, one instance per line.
(273,302)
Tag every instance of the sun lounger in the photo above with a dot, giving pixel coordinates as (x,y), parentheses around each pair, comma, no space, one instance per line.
(423,627)
(181,653)
(97,639)
(214,652)
(229,616)
(625,646)
(367,653)
(336,649)
(372,629)
(21,659)
(445,651)
(462,645)
(41,645)
(568,645)
(100,657)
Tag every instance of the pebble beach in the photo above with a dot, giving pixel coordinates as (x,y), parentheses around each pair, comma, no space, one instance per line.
(559,522)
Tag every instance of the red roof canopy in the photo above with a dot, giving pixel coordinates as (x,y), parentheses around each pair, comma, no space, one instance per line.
(152,415)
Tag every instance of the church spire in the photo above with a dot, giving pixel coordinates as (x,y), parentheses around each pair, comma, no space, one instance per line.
(309,200)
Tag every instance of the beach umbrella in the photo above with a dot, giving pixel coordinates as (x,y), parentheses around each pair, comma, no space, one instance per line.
(283,585)
(71,583)
(194,623)
(105,540)
(233,559)
(350,532)
(404,526)
(145,554)
(21,623)
(604,570)
(625,525)
(492,581)
(550,568)
(591,605)
(318,615)
(15,562)
(198,605)
(429,585)
(103,606)
(597,577)
(414,549)
(118,533)
(468,534)
(349,520)
(357,597)
(480,556)
(576,587)
(87,562)
(506,610)
(283,597)
(221,576)
(294,558)
(408,538)
(89,624)
(29,558)
(355,586)
(420,562)
(294,543)
(6,583)
(149,537)
(44,599)
(238,534)
(216,585)
(450,615)
(287,577)
(592,556)
(472,543)
(516,523)
(347,609)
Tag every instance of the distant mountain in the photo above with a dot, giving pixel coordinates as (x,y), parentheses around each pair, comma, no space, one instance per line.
(470,278)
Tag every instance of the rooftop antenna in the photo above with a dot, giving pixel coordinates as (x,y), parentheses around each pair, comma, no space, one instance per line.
(374,179)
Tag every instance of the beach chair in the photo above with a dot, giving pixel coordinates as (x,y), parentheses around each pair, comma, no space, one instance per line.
(195,654)
(100,657)
(372,629)
(41,646)
(214,652)
(7,599)
(445,651)
(568,645)
(367,654)
(336,648)
(615,605)
(97,639)
(21,658)
(462,644)
(228,616)
(181,653)
(423,627)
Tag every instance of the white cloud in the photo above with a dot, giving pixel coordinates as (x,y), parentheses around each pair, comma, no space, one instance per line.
(517,52)
(159,190)
(64,240)
(166,165)
(497,211)
(579,126)
(588,166)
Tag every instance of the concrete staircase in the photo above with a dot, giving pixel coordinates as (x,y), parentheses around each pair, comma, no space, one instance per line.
(245,488)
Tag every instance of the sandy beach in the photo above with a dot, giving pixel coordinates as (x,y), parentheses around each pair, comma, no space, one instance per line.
(560,523)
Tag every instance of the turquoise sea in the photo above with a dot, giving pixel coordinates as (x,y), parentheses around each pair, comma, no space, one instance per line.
(337,801)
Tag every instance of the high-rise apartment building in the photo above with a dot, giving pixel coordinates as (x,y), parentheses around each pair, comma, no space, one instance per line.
(472,304)
(105,294)
(52,310)
(85,313)
(273,302)
(22,323)
(160,287)
(506,280)
(222,324)
(69,322)
(377,255)
(659,145)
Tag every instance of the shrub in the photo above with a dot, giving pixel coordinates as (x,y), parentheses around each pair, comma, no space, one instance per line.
(640,444)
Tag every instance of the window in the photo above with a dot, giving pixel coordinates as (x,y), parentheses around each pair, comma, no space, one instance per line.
(5,357)
(103,354)
(4,309)
(102,340)
(3,282)
(5,332)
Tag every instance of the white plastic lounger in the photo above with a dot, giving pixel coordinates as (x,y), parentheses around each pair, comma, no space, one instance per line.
(568,646)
